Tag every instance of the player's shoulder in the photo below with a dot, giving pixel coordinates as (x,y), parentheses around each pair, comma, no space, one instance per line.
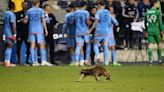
(9,13)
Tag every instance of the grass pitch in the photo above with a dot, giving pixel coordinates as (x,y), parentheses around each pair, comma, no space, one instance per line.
(129,78)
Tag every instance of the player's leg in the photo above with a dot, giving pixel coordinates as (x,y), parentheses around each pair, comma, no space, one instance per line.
(88,50)
(150,47)
(79,44)
(159,51)
(8,53)
(71,46)
(32,40)
(97,40)
(111,45)
(106,51)
(43,53)
(81,58)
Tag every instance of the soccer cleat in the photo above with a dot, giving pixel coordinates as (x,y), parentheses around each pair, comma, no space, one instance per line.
(160,62)
(116,64)
(77,64)
(81,63)
(106,64)
(150,63)
(72,64)
(35,64)
(87,63)
(46,64)
(9,64)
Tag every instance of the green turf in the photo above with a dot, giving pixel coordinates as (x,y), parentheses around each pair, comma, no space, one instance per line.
(129,78)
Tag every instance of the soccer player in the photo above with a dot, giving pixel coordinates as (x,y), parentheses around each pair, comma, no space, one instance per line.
(82,22)
(103,21)
(10,33)
(69,28)
(112,41)
(154,28)
(36,18)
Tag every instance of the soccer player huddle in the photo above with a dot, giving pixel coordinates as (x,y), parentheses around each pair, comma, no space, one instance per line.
(76,25)
(81,28)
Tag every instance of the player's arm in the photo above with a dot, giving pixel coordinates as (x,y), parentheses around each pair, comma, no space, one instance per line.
(93,26)
(44,26)
(97,17)
(114,21)
(64,28)
(13,27)
(88,19)
(161,26)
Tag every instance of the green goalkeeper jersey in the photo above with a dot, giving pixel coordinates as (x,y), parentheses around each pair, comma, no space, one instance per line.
(154,22)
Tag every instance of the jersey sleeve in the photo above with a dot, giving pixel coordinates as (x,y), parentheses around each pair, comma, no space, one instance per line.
(161,26)
(12,18)
(64,28)
(97,16)
(42,13)
(114,21)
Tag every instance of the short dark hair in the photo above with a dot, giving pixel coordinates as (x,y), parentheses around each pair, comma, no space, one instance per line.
(45,5)
(11,5)
(83,3)
(35,2)
(101,3)
(152,2)
(72,5)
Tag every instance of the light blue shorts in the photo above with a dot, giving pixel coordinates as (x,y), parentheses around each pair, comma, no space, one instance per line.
(38,38)
(71,41)
(81,39)
(111,41)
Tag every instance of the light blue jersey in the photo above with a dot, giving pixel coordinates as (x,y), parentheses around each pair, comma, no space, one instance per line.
(9,17)
(69,24)
(35,16)
(105,21)
(111,33)
(81,17)
(113,21)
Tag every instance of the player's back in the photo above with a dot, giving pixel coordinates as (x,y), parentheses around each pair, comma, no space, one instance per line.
(70,23)
(153,21)
(81,17)
(103,16)
(9,17)
(35,15)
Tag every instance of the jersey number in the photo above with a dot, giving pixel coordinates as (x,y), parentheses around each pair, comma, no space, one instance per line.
(34,17)
(151,18)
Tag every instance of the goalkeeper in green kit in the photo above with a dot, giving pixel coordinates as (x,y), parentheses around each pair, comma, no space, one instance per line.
(154,28)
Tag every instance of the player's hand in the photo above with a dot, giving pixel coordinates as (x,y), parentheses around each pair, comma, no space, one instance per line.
(88,32)
(162,34)
(13,38)
(146,35)
(46,33)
